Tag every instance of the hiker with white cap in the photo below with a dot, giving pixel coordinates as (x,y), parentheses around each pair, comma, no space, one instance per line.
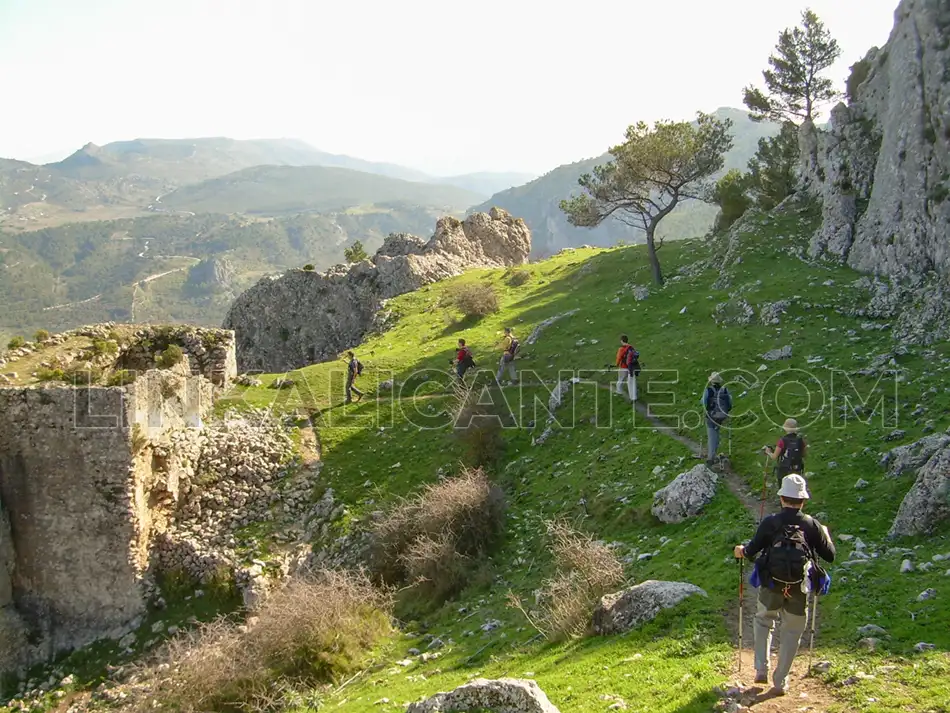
(785,572)
(789,451)
(717,403)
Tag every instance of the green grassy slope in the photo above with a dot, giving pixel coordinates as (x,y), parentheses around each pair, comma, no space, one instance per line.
(287,189)
(602,464)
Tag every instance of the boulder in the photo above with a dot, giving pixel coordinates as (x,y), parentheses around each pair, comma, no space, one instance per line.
(623,611)
(910,457)
(927,503)
(686,496)
(503,695)
(300,317)
(778,354)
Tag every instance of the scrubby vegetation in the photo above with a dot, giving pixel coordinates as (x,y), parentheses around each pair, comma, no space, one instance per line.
(433,540)
(16,343)
(474,300)
(585,570)
(316,630)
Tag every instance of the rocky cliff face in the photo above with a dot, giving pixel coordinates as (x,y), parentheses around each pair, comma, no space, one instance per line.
(882,170)
(301,317)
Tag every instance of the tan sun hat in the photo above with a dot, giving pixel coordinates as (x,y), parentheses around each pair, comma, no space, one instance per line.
(715,378)
(790,425)
(794,486)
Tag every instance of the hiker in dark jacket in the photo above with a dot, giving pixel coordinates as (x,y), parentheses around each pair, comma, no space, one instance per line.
(789,452)
(353,369)
(780,598)
(463,360)
(717,403)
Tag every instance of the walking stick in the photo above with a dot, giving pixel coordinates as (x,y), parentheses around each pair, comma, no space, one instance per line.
(814,613)
(740,614)
(765,477)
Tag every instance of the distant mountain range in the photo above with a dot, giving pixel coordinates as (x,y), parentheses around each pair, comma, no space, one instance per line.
(123,178)
(156,229)
(538,201)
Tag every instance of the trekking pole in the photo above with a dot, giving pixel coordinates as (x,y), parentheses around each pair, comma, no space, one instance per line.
(765,478)
(740,614)
(811,644)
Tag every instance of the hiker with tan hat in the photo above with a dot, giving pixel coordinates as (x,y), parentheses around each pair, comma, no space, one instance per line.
(785,572)
(789,451)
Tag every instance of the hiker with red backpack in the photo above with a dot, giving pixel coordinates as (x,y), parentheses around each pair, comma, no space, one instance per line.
(786,571)
(628,367)
(789,452)
(463,360)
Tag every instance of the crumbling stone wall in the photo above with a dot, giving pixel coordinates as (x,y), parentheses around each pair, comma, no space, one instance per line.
(78,494)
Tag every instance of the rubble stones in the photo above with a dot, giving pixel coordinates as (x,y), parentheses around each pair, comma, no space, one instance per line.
(622,611)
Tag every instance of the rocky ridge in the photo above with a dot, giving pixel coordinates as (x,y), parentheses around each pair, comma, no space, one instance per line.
(302,316)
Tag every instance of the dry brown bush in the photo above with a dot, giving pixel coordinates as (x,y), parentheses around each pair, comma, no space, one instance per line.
(314,630)
(585,571)
(434,534)
(474,299)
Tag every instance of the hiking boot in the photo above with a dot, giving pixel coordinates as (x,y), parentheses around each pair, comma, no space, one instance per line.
(779,688)
(761,677)
(359,397)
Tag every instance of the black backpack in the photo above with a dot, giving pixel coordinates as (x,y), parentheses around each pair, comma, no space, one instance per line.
(785,560)
(791,460)
(468,360)
(513,347)
(359,368)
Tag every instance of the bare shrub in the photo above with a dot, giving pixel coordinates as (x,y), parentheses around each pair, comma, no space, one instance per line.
(436,566)
(415,540)
(475,299)
(315,630)
(585,571)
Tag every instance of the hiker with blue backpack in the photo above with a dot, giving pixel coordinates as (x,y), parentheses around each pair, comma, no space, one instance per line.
(785,549)
(628,367)
(717,403)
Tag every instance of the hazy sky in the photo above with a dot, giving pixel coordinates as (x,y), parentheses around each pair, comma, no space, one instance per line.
(441,85)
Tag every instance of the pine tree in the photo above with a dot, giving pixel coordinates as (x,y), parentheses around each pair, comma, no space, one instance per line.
(651,173)
(794,85)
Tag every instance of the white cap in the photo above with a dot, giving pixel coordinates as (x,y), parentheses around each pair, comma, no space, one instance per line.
(794,486)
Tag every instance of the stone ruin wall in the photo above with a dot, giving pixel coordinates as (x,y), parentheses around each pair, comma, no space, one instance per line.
(82,496)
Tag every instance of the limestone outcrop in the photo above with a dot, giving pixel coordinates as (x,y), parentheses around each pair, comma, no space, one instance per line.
(686,496)
(927,503)
(620,612)
(301,317)
(503,695)
(882,169)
